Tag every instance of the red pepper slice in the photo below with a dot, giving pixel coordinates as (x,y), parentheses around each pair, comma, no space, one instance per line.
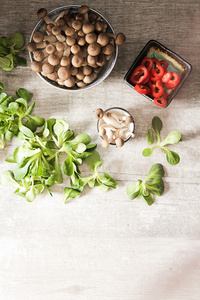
(139,75)
(164,64)
(148,63)
(157,89)
(166,77)
(162,100)
(174,80)
(143,89)
(157,72)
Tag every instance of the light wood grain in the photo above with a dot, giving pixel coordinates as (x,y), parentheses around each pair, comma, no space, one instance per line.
(104,246)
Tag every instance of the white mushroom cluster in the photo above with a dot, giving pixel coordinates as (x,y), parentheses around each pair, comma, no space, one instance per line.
(73,48)
(114,128)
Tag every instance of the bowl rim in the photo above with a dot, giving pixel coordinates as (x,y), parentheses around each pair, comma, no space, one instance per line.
(92,84)
(117,108)
(170,53)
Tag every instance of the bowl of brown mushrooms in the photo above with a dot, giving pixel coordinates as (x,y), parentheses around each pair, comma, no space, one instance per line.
(115,126)
(73,47)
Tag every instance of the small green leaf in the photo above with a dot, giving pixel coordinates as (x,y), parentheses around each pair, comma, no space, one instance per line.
(26,131)
(7,179)
(157,126)
(92,159)
(80,148)
(172,138)
(149,199)
(81,138)
(38,121)
(23,93)
(156,186)
(17,40)
(1,86)
(68,167)
(108,181)
(133,190)
(30,109)
(70,193)
(147,151)
(149,138)
(10,159)
(172,157)
(30,195)
(156,171)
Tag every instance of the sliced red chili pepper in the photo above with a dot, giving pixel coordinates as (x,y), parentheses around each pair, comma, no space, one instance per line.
(151,82)
(148,63)
(162,100)
(143,89)
(164,64)
(139,75)
(166,77)
(174,80)
(157,72)
(157,89)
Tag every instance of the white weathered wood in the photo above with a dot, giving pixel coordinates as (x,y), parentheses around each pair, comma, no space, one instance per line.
(104,246)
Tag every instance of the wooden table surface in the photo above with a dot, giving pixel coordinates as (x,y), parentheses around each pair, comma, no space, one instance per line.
(103,245)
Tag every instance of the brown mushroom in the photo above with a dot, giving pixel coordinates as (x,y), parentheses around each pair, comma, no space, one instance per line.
(119,142)
(65,61)
(81,33)
(80,75)
(91,38)
(103,39)
(38,37)
(92,59)
(47,68)
(73,70)
(36,66)
(87,70)
(33,46)
(77,25)
(50,49)
(105,143)
(53,59)
(120,39)
(88,27)
(70,82)
(99,113)
(39,55)
(63,73)
(79,17)
(81,41)
(101,60)
(53,76)
(50,27)
(62,24)
(94,49)
(50,38)
(69,31)
(60,46)
(81,84)
(83,9)
(90,78)
(99,25)
(108,49)
(70,41)
(42,14)
(75,49)
(77,61)
(85,63)
(92,17)
(57,32)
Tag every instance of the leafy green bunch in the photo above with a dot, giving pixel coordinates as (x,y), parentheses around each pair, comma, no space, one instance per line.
(9,50)
(38,162)
(152,184)
(172,138)
(16,117)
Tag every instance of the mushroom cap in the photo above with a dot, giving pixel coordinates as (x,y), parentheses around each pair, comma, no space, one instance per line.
(53,76)
(60,46)
(120,39)
(87,70)
(119,142)
(103,39)
(99,25)
(81,33)
(47,68)
(31,47)
(50,27)
(99,113)
(61,23)
(69,31)
(83,9)
(77,61)
(94,49)
(73,71)
(81,84)
(81,41)
(70,82)
(105,143)
(91,37)
(56,30)
(70,41)
(92,16)
(102,131)
(129,120)
(108,49)
(53,59)
(41,13)
(50,49)
(80,75)
(92,59)
(101,60)
(75,49)
(38,55)
(77,25)
(65,61)
(38,37)
(88,27)
(63,73)
(36,66)
(79,17)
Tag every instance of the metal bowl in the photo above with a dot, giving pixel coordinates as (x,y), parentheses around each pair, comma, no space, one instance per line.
(105,70)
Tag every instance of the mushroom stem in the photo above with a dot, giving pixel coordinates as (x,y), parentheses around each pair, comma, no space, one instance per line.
(42,14)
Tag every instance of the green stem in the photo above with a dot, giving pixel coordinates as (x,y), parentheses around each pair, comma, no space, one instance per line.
(3,141)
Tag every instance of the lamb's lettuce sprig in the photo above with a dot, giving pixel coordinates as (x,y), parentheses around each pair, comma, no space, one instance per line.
(172,138)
